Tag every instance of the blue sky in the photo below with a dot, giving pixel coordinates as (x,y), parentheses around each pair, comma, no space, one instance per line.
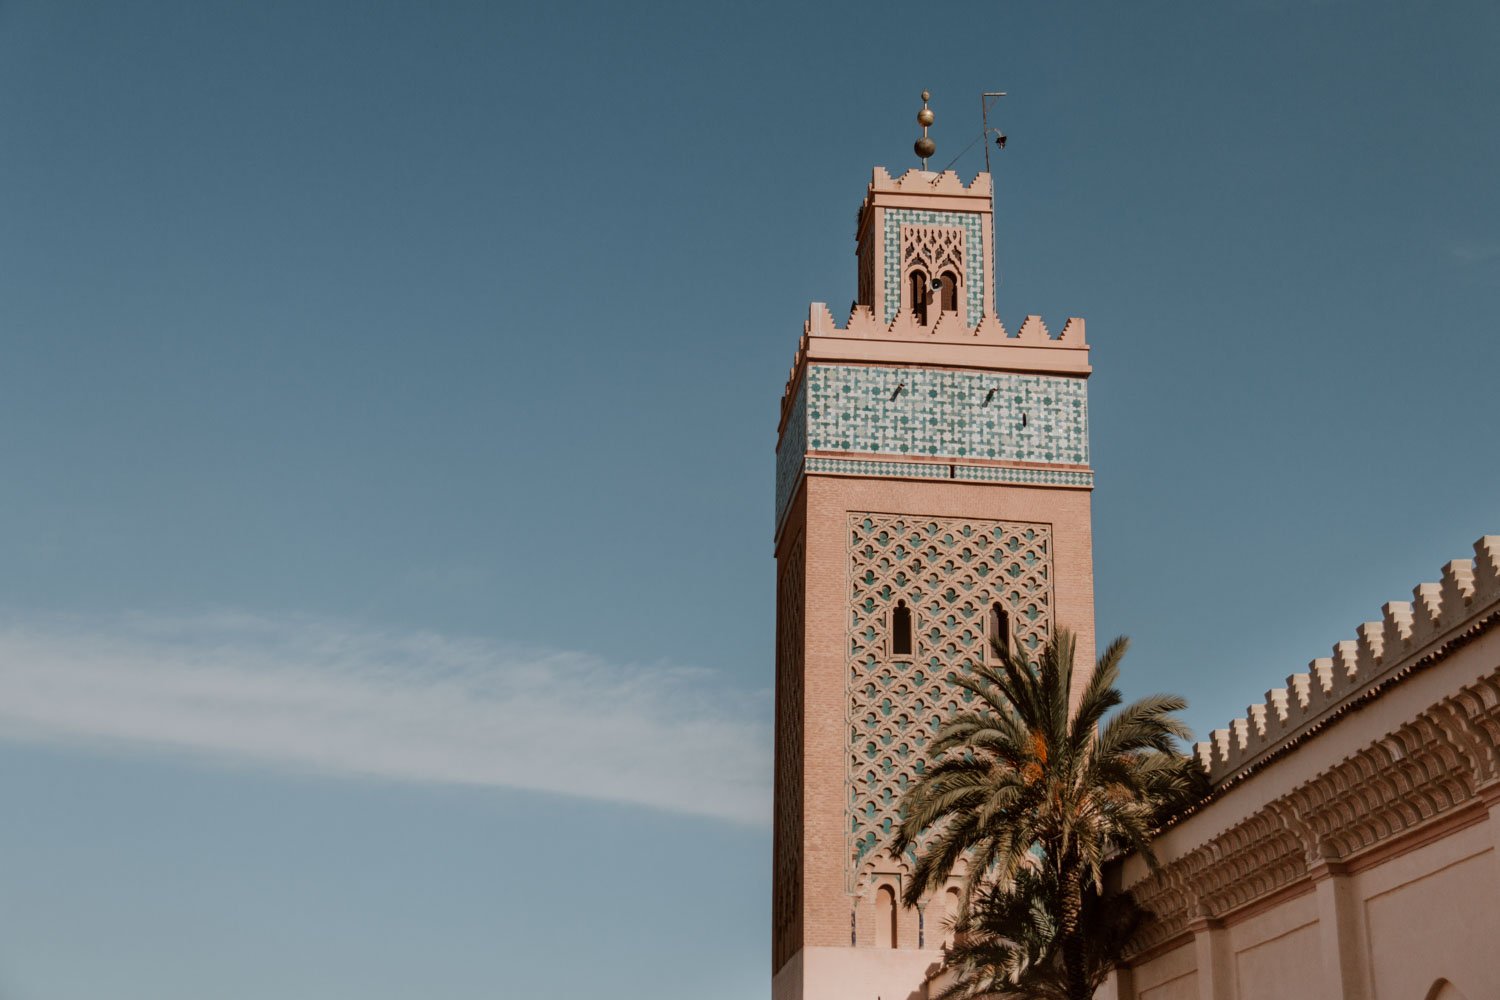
(388,404)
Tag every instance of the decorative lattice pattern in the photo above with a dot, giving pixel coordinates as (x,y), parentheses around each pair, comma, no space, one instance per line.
(949,572)
(786,849)
(900,220)
(934,249)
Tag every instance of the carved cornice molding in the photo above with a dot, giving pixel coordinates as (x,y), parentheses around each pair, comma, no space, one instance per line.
(1411,779)
(1410,637)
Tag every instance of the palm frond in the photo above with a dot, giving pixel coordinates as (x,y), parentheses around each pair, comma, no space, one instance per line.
(1028,792)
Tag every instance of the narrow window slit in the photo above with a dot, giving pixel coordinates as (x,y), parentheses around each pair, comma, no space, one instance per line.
(901,629)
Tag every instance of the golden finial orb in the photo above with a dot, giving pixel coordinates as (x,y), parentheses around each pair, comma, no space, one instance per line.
(925,147)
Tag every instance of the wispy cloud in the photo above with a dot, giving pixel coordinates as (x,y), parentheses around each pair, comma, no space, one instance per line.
(1474,251)
(315,695)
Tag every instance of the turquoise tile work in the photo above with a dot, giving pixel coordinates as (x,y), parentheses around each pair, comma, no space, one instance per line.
(973,226)
(949,414)
(956,417)
(790,452)
(900,470)
(1026,477)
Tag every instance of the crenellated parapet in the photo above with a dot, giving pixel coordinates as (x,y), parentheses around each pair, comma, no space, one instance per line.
(948,328)
(1391,743)
(924,243)
(986,344)
(940,401)
(1408,636)
(927,182)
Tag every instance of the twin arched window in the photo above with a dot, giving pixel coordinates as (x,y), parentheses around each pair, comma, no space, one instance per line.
(922,293)
(997,630)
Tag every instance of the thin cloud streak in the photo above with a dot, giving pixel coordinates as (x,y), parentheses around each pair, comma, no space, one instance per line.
(1475,251)
(319,696)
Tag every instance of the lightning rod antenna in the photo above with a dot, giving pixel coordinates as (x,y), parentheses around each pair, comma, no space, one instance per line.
(986,105)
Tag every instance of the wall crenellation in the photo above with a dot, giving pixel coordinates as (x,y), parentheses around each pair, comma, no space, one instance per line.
(946,182)
(1382,651)
(1435,764)
(949,328)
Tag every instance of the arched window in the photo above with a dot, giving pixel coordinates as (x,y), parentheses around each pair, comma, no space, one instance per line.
(920,293)
(901,630)
(950,292)
(950,914)
(885,917)
(999,631)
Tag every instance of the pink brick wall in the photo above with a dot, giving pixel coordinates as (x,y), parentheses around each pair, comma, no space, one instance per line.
(824,509)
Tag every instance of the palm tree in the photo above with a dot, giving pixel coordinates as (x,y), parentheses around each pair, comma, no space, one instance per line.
(1009,945)
(1034,794)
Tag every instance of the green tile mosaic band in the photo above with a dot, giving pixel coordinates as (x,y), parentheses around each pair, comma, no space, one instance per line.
(1025,477)
(935,413)
(938,470)
(899,470)
(945,413)
(790,452)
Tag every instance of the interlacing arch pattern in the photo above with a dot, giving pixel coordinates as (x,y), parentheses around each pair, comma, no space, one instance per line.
(786,904)
(935,249)
(948,572)
(1426,768)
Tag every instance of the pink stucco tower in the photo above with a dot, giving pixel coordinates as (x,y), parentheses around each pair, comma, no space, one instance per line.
(932,491)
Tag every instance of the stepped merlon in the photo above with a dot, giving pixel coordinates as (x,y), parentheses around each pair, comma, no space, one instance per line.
(1408,637)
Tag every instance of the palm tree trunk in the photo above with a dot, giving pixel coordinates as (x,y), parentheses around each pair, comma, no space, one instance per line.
(1074,973)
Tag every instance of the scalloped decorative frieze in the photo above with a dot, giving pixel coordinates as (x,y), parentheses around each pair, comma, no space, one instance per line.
(1426,768)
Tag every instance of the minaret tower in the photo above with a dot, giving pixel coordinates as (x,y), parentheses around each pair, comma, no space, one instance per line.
(932,492)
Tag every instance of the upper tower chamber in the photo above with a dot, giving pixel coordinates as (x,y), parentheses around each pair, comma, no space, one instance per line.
(991,406)
(924,248)
(932,493)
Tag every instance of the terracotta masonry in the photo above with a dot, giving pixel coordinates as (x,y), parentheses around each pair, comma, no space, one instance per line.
(933,490)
